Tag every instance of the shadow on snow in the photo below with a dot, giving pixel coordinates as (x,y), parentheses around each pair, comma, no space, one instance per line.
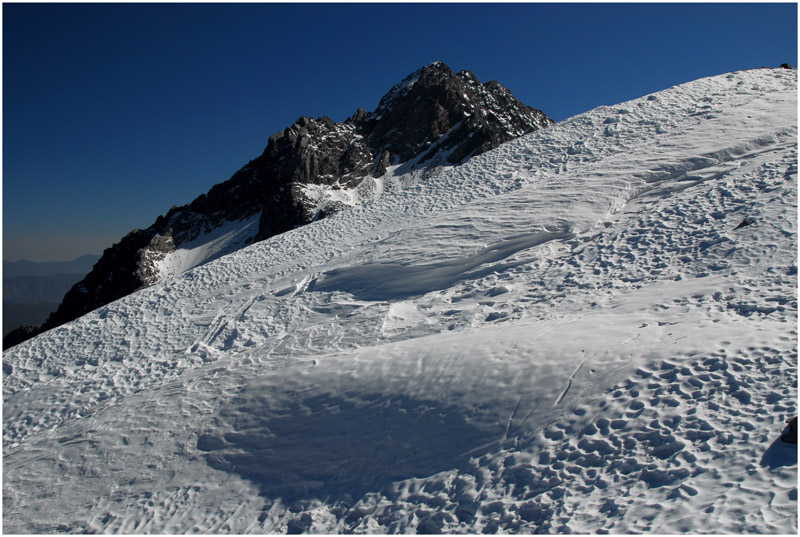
(780,453)
(328,446)
(399,282)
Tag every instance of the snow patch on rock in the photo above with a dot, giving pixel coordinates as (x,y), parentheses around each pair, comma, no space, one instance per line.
(227,238)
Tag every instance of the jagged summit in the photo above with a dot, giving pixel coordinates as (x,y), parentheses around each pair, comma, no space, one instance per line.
(402,88)
(313,168)
(435,101)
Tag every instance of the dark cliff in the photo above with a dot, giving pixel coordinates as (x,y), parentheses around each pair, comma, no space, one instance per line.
(433,117)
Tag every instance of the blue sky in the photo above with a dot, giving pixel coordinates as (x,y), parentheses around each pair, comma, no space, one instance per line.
(112,113)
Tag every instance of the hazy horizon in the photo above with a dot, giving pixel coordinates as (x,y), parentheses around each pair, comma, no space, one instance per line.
(23,260)
(55,249)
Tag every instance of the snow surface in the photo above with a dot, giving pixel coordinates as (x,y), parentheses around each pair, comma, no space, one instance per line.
(222,240)
(569,333)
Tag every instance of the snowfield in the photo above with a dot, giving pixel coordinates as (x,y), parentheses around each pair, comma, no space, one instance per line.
(573,332)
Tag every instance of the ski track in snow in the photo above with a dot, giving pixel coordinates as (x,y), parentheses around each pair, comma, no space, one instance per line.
(565,334)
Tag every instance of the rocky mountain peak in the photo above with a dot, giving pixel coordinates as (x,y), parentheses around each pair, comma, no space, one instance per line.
(412,119)
(311,169)
(433,75)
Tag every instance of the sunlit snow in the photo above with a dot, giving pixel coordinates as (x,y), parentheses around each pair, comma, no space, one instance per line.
(227,238)
(573,332)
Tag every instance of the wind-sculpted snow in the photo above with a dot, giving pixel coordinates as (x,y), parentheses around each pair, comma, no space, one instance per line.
(381,282)
(589,329)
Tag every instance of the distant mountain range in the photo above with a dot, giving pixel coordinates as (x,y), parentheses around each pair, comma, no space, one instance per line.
(81,265)
(33,290)
(433,118)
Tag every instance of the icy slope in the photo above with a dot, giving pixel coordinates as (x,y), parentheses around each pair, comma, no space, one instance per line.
(567,333)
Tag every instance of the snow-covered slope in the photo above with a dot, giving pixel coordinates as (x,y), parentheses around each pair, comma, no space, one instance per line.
(570,333)
(227,238)
(308,171)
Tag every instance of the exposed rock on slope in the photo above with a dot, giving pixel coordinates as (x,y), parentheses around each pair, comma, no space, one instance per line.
(433,117)
(308,171)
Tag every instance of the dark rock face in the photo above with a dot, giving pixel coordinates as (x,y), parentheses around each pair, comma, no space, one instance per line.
(412,120)
(16,336)
(433,117)
(790,434)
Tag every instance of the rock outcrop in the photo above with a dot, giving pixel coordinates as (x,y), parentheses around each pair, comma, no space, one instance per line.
(434,117)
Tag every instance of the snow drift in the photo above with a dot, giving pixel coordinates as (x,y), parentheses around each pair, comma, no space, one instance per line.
(569,333)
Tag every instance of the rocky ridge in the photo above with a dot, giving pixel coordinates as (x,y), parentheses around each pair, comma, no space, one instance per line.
(313,168)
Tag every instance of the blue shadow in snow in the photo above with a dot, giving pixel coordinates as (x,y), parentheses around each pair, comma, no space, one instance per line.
(398,282)
(325,446)
(780,453)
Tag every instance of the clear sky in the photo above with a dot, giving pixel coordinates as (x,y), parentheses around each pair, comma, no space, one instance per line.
(112,113)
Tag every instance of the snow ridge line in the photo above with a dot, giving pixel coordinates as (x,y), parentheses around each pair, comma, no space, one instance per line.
(511,419)
(569,384)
